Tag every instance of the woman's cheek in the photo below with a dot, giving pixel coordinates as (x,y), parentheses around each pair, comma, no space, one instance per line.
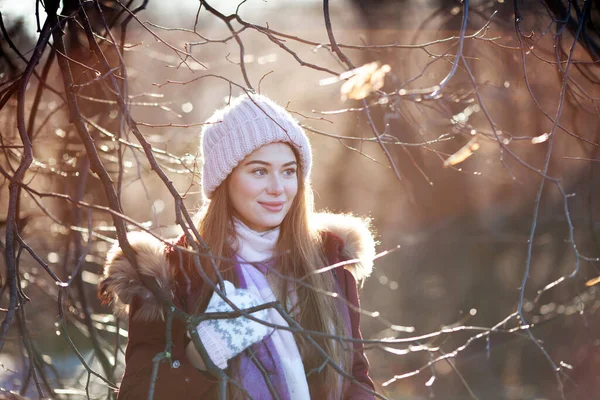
(291,186)
(251,188)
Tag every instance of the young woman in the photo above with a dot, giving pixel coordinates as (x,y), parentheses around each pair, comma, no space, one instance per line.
(268,245)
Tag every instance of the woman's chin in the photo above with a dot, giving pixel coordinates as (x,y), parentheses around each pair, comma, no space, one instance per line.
(268,222)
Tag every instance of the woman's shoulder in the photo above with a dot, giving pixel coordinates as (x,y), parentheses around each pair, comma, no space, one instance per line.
(122,281)
(347,237)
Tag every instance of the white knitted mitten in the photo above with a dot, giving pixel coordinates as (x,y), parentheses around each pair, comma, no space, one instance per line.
(226,338)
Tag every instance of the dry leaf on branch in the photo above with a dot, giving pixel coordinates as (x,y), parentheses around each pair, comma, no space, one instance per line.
(593,282)
(461,155)
(540,139)
(363,81)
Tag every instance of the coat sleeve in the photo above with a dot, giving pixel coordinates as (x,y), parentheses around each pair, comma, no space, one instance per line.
(360,364)
(335,251)
(176,378)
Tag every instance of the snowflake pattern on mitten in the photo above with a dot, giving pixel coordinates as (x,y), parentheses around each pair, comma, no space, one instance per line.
(226,338)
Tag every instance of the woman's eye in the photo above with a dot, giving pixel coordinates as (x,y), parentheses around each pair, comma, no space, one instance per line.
(290,172)
(259,171)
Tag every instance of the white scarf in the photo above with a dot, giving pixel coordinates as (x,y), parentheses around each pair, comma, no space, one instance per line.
(252,246)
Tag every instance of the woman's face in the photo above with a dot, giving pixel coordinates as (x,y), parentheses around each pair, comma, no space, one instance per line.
(263,186)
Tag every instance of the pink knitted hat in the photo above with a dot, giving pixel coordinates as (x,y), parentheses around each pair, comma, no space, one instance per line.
(249,122)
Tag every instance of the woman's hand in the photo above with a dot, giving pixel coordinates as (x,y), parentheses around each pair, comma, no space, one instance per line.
(226,338)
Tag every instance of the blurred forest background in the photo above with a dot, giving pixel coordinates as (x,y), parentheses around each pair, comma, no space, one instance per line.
(475,153)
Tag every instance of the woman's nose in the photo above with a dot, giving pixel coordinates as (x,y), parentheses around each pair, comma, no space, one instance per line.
(275,186)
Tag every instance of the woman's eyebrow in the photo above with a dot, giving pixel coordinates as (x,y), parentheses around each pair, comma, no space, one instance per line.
(257,162)
(287,164)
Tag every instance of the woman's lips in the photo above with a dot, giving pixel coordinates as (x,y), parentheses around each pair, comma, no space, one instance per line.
(272,206)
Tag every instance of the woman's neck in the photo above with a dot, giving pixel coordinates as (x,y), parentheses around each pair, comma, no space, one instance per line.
(253,246)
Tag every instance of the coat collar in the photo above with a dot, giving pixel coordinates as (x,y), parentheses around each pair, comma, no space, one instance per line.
(122,282)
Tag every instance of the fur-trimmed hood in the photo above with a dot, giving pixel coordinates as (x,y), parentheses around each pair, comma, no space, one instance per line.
(122,282)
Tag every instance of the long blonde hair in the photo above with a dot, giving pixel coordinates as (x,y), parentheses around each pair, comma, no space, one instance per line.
(298,253)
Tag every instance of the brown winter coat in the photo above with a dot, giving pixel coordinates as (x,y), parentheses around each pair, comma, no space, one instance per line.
(345,238)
